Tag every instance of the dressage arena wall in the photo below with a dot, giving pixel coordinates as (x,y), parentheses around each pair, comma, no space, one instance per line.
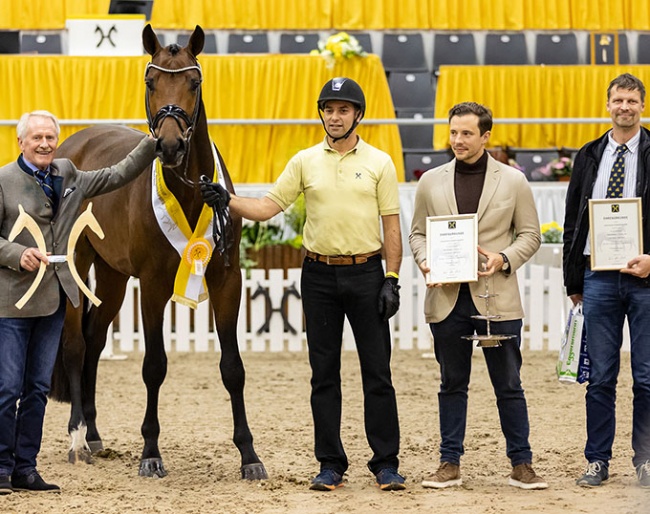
(545,304)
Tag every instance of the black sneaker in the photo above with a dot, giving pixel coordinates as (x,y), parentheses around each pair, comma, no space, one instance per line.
(388,479)
(5,485)
(326,480)
(34,483)
(643,474)
(595,474)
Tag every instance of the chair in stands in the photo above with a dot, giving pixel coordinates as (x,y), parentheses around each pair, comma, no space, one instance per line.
(556,49)
(403,52)
(643,49)
(209,47)
(603,46)
(248,43)
(416,137)
(416,163)
(364,40)
(506,48)
(9,42)
(532,161)
(41,44)
(413,91)
(454,48)
(298,43)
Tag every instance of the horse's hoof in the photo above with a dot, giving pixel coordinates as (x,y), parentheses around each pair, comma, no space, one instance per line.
(77,456)
(255,471)
(95,446)
(152,468)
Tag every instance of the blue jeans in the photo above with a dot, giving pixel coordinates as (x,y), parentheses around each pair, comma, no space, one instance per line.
(454,354)
(610,296)
(329,294)
(28,348)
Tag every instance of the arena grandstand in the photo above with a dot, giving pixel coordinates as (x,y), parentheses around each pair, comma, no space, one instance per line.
(542,67)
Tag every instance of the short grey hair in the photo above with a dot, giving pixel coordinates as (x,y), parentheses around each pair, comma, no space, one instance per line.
(21,128)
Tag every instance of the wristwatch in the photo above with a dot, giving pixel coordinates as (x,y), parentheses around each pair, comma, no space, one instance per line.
(506,263)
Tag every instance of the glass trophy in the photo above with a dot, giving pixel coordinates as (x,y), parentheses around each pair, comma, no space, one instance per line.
(488,340)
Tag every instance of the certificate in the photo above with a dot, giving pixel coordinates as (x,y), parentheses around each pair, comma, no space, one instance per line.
(452,254)
(615,232)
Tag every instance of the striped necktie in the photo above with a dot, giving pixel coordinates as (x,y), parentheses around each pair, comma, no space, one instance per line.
(45,181)
(617,175)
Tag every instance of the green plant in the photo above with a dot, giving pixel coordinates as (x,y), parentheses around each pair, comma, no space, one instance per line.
(552,233)
(258,234)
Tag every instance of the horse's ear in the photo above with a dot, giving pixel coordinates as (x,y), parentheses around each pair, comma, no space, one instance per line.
(150,40)
(197,39)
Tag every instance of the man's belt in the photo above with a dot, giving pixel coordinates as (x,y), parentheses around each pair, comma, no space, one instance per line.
(342,260)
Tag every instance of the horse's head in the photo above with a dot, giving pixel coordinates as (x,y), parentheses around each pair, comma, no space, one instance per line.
(173,93)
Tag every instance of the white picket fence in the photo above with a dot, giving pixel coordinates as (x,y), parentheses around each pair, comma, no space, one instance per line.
(545,304)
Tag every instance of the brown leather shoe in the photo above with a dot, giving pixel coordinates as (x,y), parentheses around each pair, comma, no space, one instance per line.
(524,477)
(448,475)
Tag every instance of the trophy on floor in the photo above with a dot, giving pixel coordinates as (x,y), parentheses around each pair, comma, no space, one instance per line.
(488,340)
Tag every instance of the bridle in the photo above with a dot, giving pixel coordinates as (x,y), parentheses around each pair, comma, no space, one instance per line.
(176,113)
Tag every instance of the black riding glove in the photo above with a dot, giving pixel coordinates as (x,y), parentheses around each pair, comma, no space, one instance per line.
(388,298)
(215,195)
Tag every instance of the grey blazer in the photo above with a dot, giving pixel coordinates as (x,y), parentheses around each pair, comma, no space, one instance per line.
(507,222)
(17,187)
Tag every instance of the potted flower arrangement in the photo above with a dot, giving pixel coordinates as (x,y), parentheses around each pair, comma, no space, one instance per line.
(550,253)
(338,47)
(559,169)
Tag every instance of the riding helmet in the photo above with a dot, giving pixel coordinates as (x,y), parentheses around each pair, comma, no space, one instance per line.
(344,89)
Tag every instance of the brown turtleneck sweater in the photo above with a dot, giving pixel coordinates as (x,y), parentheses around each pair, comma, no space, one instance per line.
(468,184)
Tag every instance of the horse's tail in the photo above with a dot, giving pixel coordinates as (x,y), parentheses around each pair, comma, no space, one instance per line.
(60,388)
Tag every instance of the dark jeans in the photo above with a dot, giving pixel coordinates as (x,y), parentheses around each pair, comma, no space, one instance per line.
(28,348)
(454,354)
(329,293)
(610,296)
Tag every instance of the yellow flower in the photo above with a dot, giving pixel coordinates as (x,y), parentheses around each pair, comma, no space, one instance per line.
(552,232)
(338,47)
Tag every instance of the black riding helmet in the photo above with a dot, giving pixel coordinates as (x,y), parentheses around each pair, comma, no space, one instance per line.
(343,89)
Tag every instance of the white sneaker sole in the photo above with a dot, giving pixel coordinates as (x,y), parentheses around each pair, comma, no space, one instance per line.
(522,485)
(430,484)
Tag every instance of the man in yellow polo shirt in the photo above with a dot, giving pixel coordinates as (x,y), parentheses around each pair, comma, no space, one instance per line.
(348,186)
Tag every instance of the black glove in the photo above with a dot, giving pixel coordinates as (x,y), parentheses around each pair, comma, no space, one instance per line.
(388,298)
(215,195)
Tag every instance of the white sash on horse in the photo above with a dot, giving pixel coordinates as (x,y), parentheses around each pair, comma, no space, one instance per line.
(194,247)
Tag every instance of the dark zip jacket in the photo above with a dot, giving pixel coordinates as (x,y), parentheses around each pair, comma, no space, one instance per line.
(576,217)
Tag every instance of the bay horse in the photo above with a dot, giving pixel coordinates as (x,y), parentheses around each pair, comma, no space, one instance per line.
(134,246)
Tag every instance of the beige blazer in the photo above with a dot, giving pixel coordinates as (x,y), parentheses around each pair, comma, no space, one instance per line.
(507,222)
(17,187)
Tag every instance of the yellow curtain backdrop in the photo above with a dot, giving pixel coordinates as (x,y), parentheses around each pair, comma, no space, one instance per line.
(238,86)
(343,14)
(532,92)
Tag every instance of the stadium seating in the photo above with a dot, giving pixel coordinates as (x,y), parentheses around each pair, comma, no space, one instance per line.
(455,48)
(298,43)
(209,47)
(506,48)
(556,49)
(257,43)
(403,53)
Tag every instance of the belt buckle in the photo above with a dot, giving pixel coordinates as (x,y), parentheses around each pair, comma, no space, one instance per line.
(327,260)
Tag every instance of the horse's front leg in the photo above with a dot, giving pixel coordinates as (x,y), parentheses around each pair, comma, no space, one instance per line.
(154,370)
(110,288)
(226,311)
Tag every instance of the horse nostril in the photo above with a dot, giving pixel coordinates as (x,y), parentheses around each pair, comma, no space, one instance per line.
(181,145)
(158,146)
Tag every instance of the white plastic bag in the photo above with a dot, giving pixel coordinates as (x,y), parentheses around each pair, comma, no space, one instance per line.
(569,358)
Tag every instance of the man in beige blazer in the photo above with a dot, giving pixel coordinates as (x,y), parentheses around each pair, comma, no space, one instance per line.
(51,192)
(508,236)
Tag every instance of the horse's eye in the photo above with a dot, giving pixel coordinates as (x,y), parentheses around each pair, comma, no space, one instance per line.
(195,84)
(149,84)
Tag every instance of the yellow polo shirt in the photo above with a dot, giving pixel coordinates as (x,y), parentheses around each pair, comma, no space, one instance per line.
(344,196)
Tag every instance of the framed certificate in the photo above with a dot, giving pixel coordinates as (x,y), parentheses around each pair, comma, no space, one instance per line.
(452,254)
(615,232)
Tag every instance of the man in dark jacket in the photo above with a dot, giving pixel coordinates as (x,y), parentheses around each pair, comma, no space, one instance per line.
(609,297)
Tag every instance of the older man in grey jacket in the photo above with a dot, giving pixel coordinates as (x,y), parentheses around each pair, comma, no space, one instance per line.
(51,191)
